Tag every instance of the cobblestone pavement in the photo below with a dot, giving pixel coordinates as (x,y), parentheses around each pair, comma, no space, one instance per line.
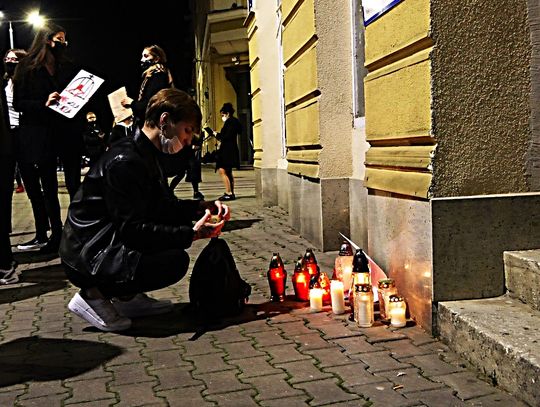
(271,355)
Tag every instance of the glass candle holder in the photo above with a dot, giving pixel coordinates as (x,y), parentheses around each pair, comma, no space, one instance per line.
(387,287)
(338,297)
(315,299)
(300,280)
(343,266)
(397,310)
(310,263)
(276,278)
(363,305)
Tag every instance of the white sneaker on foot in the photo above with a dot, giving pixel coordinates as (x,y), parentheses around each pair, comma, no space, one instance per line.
(141,305)
(99,313)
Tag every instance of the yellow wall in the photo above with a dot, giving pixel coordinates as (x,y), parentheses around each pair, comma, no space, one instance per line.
(398,100)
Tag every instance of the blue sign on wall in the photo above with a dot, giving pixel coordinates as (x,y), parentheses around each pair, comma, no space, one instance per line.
(373,9)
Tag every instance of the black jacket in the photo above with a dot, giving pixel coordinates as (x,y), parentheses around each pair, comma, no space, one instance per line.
(124,209)
(228,155)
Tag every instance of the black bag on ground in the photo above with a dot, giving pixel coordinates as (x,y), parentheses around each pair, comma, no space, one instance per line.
(216,288)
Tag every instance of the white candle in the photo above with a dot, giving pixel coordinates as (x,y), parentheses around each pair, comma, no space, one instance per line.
(363,309)
(397,316)
(315,299)
(347,276)
(338,298)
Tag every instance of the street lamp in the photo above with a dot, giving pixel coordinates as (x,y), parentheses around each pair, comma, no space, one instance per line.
(33,18)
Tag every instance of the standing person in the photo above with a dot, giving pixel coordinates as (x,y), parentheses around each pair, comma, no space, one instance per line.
(126,233)
(228,155)
(45,134)
(155,77)
(191,168)
(11,60)
(7,169)
(121,129)
(94,138)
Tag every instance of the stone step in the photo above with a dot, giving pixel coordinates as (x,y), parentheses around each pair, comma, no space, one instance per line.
(522,275)
(501,337)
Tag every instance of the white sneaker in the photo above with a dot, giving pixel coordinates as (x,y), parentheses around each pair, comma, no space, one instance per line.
(100,313)
(141,305)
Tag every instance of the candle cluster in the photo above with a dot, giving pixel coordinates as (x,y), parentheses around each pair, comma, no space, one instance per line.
(351,280)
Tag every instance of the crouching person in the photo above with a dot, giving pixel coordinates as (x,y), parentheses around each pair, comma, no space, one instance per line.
(126,233)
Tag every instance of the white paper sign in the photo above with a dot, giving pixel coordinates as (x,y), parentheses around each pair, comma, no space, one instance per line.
(375,8)
(77,93)
(115,101)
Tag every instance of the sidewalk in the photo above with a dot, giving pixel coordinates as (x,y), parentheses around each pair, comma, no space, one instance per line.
(271,355)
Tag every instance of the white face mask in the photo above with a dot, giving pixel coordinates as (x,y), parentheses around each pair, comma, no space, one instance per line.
(170,146)
(224,118)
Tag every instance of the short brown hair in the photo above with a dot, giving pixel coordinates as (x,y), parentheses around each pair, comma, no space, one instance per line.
(178,104)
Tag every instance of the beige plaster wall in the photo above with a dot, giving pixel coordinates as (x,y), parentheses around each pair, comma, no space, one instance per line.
(533,153)
(335,80)
(480,96)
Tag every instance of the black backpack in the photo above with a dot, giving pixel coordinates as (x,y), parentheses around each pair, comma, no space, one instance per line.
(216,288)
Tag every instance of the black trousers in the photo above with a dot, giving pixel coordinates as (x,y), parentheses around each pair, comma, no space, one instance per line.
(7,171)
(72,171)
(155,271)
(41,186)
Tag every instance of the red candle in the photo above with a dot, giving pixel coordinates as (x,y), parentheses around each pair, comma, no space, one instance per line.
(300,280)
(276,278)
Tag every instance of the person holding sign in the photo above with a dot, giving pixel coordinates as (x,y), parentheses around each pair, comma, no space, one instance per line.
(126,233)
(44,134)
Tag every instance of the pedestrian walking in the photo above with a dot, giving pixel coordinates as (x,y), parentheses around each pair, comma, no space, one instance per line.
(227,154)
(192,171)
(155,76)
(126,233)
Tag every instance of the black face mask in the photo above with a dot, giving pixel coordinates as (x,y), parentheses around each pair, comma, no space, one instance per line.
(58,49)
(146,64)
(10,68)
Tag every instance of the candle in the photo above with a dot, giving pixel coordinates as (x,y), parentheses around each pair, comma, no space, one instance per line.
(363,305)
(397,311)
(300,279)
(338,298)
(387,287)
(315,299)
(346,276)
(276,278)
(343,266)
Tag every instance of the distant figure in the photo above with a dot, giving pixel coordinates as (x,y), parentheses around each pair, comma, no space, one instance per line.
(94,138)
(228,155)
(155,77)
(192,171)
(44,134)
(124,128)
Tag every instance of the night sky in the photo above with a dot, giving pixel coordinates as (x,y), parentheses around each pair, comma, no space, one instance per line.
(105,41)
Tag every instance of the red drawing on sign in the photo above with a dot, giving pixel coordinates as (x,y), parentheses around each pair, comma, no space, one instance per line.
(82,87)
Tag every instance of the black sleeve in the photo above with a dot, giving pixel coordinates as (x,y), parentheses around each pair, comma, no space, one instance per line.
(154,84)
(229,131)
(126,195)
(25,97)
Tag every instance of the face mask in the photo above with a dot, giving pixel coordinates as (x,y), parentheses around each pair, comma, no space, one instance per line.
(146,64)
(10,68)
(224,118)
(170,146)
(58,49)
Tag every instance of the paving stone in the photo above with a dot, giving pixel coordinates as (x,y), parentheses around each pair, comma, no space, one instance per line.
(417,335)
(131,373)
(498,399)
(354,374)
(50,400)
(122,341)
(272,387)
(468,386)
(381,333)
(257,366)
(292,329)
(222,382)
(256,326)
(234,399)
(303,371)
(310,342)
(138,394)
(284,353)
(127,356)
(381,394)
(88,390)
(330,357)
(175,378)
(356,345)
(8,398)
(325,391)
(45,389)
(380,361)
(286,402)
(228,335)
(443,397)
(335,330)
(268,338)
(209,363)
(164,359)
(432,365)
(201,346)
(410,379)
(284,318)
(404,348)
(97,403)
(187,396)
(240,350)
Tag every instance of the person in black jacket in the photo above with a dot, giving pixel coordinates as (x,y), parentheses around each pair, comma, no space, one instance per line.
(228,155)
(94,138)
(44,134)
(126,233)
(155,77)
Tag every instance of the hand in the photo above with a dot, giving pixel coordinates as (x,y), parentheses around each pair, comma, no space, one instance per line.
(52,99)
(204,229)
(224,213)
(126,102)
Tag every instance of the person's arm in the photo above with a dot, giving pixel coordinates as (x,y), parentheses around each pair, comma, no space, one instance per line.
(228,132)
(154,84)
(25,97)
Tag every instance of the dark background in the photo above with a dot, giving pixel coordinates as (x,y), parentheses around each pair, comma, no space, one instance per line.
(106,38)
